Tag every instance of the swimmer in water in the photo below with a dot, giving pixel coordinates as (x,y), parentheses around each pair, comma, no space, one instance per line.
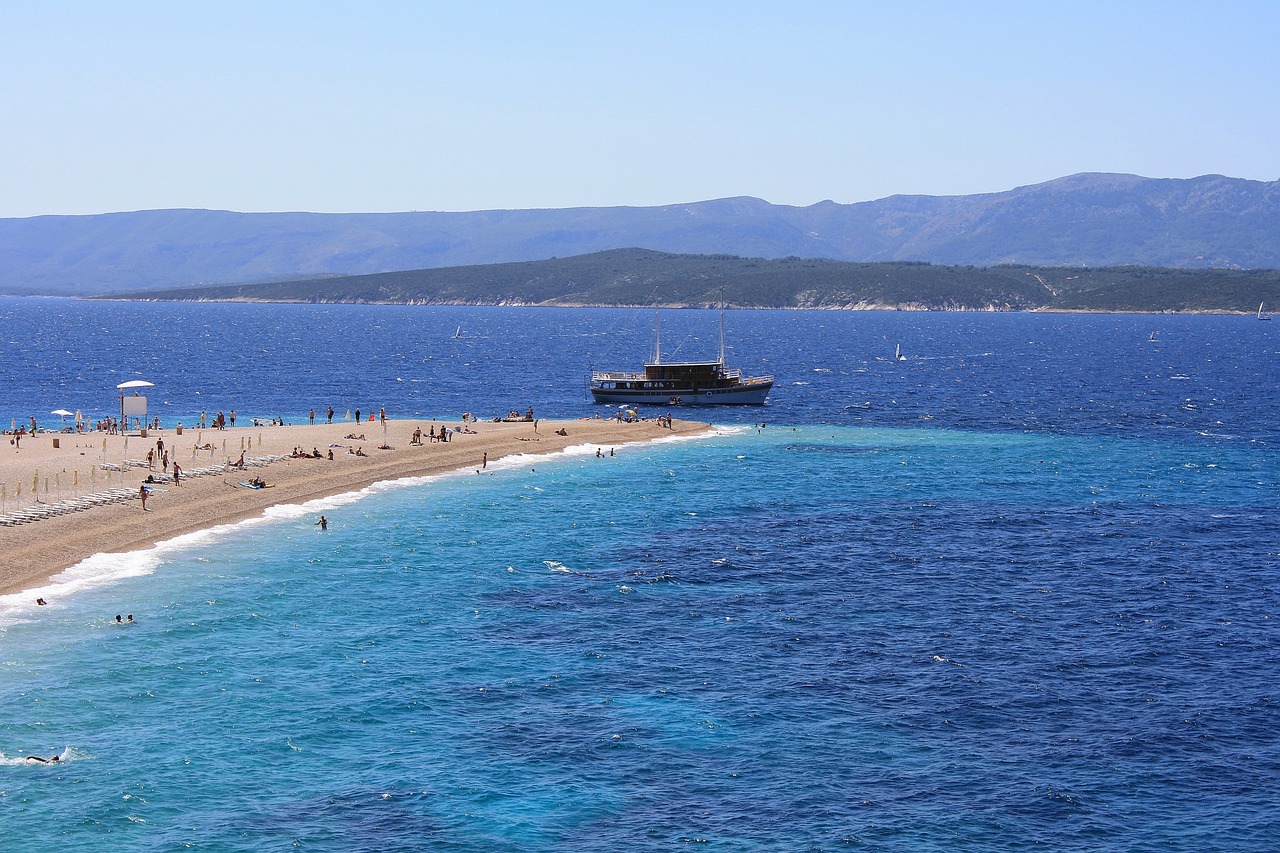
(50,760)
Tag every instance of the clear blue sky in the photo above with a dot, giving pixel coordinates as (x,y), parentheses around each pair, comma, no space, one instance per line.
(392,106)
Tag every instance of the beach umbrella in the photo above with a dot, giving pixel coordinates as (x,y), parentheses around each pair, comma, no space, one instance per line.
(62,414)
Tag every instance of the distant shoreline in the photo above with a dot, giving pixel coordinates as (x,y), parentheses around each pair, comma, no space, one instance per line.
(904,309)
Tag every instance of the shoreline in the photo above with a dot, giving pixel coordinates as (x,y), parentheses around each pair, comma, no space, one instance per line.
(40,550)
(898,308)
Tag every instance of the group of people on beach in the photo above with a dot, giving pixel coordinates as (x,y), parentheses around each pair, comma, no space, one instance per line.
(220,420)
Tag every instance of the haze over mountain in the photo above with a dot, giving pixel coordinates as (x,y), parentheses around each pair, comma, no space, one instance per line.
(1083,220)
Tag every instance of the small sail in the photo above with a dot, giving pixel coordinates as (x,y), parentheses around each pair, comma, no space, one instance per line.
(897,354)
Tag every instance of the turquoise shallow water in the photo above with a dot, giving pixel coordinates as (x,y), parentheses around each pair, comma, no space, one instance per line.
(782,639)
(1017,592)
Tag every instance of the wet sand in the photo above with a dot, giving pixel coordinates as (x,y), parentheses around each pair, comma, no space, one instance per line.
(36,551)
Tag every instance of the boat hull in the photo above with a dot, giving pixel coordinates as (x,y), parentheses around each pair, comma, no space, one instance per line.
(753,394)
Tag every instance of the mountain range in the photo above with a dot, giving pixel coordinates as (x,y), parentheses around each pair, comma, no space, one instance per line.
(1085,220)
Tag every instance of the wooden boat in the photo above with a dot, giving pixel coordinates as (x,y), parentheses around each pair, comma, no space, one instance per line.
(681,383)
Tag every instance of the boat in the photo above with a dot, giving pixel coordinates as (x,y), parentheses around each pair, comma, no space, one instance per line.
(897,354)
(1262,316)
(681,383)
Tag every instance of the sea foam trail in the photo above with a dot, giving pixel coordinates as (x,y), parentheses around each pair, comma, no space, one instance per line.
(23,759)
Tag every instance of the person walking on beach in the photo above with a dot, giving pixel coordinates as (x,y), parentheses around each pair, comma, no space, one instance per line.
(329,415)
(312,416)
(177,473)
(142,494)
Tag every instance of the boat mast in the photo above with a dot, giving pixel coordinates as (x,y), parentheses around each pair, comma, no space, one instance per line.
(722,334)
(657,338)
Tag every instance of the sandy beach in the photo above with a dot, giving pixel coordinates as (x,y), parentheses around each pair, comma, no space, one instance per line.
(35,473)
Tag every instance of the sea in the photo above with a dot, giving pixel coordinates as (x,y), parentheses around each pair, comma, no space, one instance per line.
(1016,590)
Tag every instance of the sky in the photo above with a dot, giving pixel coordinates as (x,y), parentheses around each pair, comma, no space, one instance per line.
(387,106)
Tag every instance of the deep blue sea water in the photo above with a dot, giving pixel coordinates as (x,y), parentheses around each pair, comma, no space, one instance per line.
(1015,592)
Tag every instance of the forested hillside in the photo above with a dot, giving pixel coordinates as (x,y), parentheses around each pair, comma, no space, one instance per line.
(643,277)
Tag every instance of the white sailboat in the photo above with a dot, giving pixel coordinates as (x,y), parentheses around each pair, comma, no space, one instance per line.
(1262,316)
(897,354)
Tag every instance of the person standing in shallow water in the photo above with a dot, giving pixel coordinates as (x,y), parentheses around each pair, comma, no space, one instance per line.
(323,522)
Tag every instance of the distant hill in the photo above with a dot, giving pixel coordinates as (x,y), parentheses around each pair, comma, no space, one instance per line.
(644,277)
(1089,220)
